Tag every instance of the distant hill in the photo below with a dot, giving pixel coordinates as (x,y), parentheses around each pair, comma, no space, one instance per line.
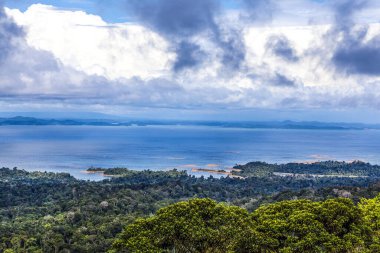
(20,120)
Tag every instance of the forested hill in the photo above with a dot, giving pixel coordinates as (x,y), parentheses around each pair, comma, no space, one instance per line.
(48,212)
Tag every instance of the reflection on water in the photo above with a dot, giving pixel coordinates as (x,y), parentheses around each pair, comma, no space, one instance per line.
(75,148)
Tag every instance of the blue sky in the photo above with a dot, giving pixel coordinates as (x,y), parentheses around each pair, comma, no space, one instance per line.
(199,59)
(110,10)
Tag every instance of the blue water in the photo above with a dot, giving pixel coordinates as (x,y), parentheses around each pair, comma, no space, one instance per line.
(75,148)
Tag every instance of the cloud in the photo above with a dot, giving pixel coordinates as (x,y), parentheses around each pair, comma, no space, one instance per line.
(231,38)
(358,57)
(282,80)
(344,11)
(37,76)
(8,31)
(189,55)
(234,49)
(259,9)
(355,53)
(115,50)
(281,47)
(180,21)
(160,61)
(179,18)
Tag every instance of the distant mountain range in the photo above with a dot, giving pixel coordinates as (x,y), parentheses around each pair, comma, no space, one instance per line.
(20,120)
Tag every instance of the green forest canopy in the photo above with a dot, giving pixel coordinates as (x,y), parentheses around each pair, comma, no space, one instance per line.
(49,212)
(203,225)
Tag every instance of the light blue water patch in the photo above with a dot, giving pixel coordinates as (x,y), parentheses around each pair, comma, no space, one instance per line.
(73,149)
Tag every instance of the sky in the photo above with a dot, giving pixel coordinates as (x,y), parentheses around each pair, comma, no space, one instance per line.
(192,59)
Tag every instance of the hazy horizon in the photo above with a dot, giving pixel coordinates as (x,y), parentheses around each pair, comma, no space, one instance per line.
(364,117)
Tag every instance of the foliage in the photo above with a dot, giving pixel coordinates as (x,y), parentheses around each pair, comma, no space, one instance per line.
(202,225)
(355,168)
(370,209)
(48,212)
(198,225)
(305,226)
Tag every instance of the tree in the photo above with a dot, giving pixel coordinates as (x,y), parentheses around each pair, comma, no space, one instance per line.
(370,209)
(197,225)
(306,226)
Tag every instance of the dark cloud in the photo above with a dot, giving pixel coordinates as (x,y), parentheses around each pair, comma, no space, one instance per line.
(253,11)
(344,12)
(181,20)
(283,81)
(281,47)
(233,44)
(358,57)
(178,21)
(8,32)
(234,53)
(353,54)
(232,47)
(188,55)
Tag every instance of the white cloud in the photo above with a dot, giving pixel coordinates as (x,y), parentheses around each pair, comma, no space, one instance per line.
(87,43)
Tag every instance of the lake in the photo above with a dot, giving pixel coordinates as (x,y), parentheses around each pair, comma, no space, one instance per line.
(73,149)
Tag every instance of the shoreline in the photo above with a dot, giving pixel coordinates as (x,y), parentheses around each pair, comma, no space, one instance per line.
(193,170)
(227,172)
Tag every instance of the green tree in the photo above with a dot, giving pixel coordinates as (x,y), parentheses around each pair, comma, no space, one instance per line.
(197,225)
(370,209)
(306,226)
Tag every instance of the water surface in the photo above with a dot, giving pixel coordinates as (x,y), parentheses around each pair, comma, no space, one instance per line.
(75,148)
